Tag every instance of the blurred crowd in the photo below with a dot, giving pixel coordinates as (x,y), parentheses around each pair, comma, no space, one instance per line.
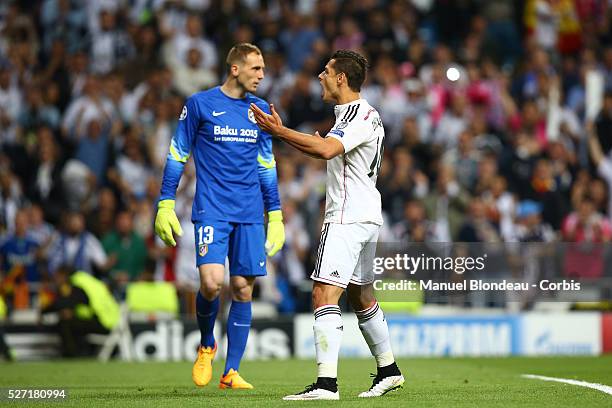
(90,94)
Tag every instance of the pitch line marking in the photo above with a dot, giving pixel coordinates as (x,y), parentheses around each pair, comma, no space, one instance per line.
(599,387)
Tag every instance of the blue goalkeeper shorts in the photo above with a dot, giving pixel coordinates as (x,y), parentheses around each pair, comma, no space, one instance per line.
(242,244)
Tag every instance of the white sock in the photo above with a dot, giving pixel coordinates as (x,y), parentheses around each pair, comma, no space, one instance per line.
(328,336)
(375,331)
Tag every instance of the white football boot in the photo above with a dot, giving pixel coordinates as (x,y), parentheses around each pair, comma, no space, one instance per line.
(382,385)
(313,392)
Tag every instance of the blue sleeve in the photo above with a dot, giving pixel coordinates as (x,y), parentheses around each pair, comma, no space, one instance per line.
(266,168)
(180,148)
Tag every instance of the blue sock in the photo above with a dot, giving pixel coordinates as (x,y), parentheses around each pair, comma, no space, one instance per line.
(206,312)
(238,326)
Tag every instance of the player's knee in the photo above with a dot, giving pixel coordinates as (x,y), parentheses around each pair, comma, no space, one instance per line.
(210,289)
(317,297)
(242,293)
(323,295)
(360,298)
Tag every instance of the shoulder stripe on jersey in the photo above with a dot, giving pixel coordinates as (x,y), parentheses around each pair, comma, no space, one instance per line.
(354,113)
(346,114)
(350,114)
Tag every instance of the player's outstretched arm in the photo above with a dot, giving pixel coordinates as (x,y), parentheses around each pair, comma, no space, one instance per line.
(313,145)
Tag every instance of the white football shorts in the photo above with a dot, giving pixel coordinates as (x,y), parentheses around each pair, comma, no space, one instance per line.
(346,254)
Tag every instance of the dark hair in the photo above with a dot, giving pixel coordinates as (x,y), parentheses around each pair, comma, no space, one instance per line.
(239,52)
(353,65)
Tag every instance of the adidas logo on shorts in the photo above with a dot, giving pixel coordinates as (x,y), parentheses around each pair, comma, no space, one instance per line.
(334,274)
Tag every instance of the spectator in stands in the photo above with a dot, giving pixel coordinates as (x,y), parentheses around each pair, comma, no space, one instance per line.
(544,188)
(445,206)
(110,45)
(37,112)
(127,251)
(10,102)
(20,252)
(146,57)
(464,158)
(94,149)
(400,187)
(478,228)
(192,77)
(176,51)
(101,219)
(529,224)
(585,225)
(11,197)
(90,105)
(453,122)
(45,184)
(500,206)
(601,158)
(77,247)
(414,227)
(299,39)
(291,259)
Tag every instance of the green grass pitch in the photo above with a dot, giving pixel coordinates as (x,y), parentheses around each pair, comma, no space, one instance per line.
(432,382)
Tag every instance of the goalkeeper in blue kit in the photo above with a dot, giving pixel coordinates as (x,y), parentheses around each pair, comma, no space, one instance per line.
(235,181)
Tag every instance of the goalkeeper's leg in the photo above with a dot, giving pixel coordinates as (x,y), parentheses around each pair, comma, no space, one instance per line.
(238,327)
(207,307)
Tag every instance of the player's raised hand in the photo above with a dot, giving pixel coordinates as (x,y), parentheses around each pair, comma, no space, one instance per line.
(268,123)
(275,115)
(166,222)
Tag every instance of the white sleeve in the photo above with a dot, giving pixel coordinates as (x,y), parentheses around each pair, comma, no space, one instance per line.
(605,169)
(352,134)
(95,251)
(70,116)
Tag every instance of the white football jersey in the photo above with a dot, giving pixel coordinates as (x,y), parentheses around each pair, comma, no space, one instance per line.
(351,177)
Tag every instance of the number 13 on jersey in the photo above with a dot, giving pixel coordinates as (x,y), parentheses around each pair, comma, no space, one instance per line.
(206,234)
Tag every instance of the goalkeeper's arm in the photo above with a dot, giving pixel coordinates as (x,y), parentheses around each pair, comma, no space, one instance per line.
(166,221)
(268,180)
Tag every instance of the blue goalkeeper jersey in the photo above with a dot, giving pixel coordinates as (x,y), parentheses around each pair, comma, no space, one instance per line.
(235,167)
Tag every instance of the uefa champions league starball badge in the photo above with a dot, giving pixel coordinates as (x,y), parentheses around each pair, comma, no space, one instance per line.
(251,115)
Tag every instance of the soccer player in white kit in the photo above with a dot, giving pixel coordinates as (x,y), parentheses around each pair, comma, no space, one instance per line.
(353,149)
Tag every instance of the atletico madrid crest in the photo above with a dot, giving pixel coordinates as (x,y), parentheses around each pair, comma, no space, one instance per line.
(203,250)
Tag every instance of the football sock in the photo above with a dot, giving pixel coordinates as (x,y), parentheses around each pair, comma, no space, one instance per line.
(327,383)
(238,326)
(388,371)
(374,328)
(328,336)
(206,312)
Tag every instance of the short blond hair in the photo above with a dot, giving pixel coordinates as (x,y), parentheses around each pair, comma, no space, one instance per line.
(239,52)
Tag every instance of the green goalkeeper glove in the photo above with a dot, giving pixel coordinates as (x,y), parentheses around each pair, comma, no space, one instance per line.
(276,232)
(166,222)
